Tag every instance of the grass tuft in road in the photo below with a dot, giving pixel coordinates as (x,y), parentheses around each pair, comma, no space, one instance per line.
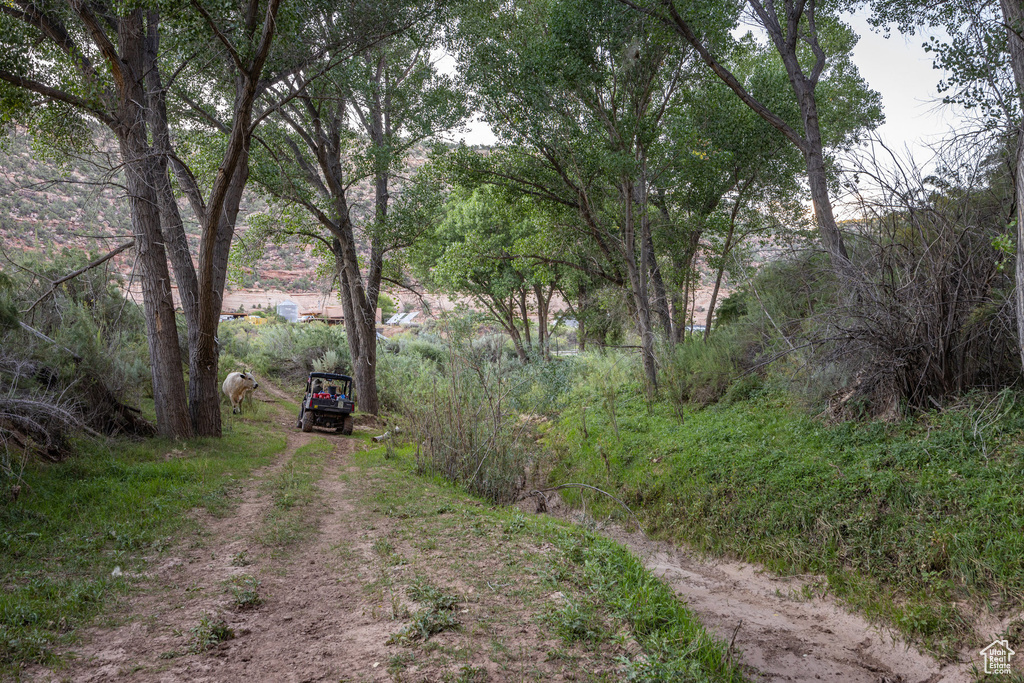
(296,511)
(533,596)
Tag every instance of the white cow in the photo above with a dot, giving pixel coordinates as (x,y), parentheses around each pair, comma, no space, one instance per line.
(236,386)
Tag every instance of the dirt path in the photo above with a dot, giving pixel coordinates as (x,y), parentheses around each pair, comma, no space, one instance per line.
(321,618)
(784,632)
(311,625)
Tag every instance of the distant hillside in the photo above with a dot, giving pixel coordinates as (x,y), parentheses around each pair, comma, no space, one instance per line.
(46,207)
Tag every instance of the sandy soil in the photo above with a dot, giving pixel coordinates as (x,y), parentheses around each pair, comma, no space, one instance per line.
(781,633)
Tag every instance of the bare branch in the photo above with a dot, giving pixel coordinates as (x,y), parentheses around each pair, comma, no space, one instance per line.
(70,276)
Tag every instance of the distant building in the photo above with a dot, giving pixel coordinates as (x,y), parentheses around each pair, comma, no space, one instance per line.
(289,310)
(332,315)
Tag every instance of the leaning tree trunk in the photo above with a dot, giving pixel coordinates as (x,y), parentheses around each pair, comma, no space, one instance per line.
(364,366)
(204,361)
(140,176)
(718,285)
(725,255)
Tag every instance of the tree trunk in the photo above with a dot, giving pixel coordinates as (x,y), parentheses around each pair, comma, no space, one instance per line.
(364,365)
(643,328)
(204,361)
(677,305)
(725,254)
(638,274)
(1013,19)
(507,318)
(140,175)
(661,304)
(352,337)
(366,368)
(203,389)
(543,305)
(718,284)
(524,314)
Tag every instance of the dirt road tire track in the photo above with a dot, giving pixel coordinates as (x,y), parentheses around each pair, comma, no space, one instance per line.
(310,627)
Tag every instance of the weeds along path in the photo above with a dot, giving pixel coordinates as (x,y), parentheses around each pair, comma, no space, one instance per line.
(339,564)
(260,573)
(783,628)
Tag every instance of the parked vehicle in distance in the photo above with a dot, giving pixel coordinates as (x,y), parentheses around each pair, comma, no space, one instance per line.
(328,403)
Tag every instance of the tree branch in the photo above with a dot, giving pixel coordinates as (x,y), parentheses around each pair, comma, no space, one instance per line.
(220,35)
(90,266)
(55,94)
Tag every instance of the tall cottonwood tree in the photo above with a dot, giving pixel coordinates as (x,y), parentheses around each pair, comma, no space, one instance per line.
(91,60)
(578,92)
(230,103)
(477,251)
(728,159)
(811,41)
(221,60)
(201,283)
(358,122)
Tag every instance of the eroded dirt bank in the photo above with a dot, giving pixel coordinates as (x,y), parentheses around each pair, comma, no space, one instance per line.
(781,630)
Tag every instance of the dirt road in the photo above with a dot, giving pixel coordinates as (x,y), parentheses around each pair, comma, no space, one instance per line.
(319,573)
(330,566)
(787,633)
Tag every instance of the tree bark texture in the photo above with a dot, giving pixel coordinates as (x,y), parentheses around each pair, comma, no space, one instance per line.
(1013,18)
(140,174)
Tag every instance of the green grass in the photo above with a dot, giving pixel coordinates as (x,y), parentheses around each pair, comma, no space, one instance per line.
(294,514)
(611,580)
(245,590)
(902,519)
(108,507)
(609,590)
(208,634)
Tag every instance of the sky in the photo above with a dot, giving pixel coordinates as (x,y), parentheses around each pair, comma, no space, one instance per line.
(901,71)
(897,67)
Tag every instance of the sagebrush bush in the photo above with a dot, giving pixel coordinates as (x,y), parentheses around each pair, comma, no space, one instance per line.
(699,370)
(456,405)
(329,362)
(284,349)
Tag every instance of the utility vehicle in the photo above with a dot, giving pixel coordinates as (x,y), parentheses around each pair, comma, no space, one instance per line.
(328,403)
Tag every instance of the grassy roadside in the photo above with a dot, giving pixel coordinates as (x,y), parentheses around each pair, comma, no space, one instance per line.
(81,528)
(520,596)
(907,522)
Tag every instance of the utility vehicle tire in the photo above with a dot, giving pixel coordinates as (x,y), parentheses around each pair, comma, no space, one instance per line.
(346,426)
(307,421)
(298,422)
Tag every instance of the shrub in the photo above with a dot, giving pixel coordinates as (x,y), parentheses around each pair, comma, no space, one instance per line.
(700,370)
(459,412)
(284,349)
